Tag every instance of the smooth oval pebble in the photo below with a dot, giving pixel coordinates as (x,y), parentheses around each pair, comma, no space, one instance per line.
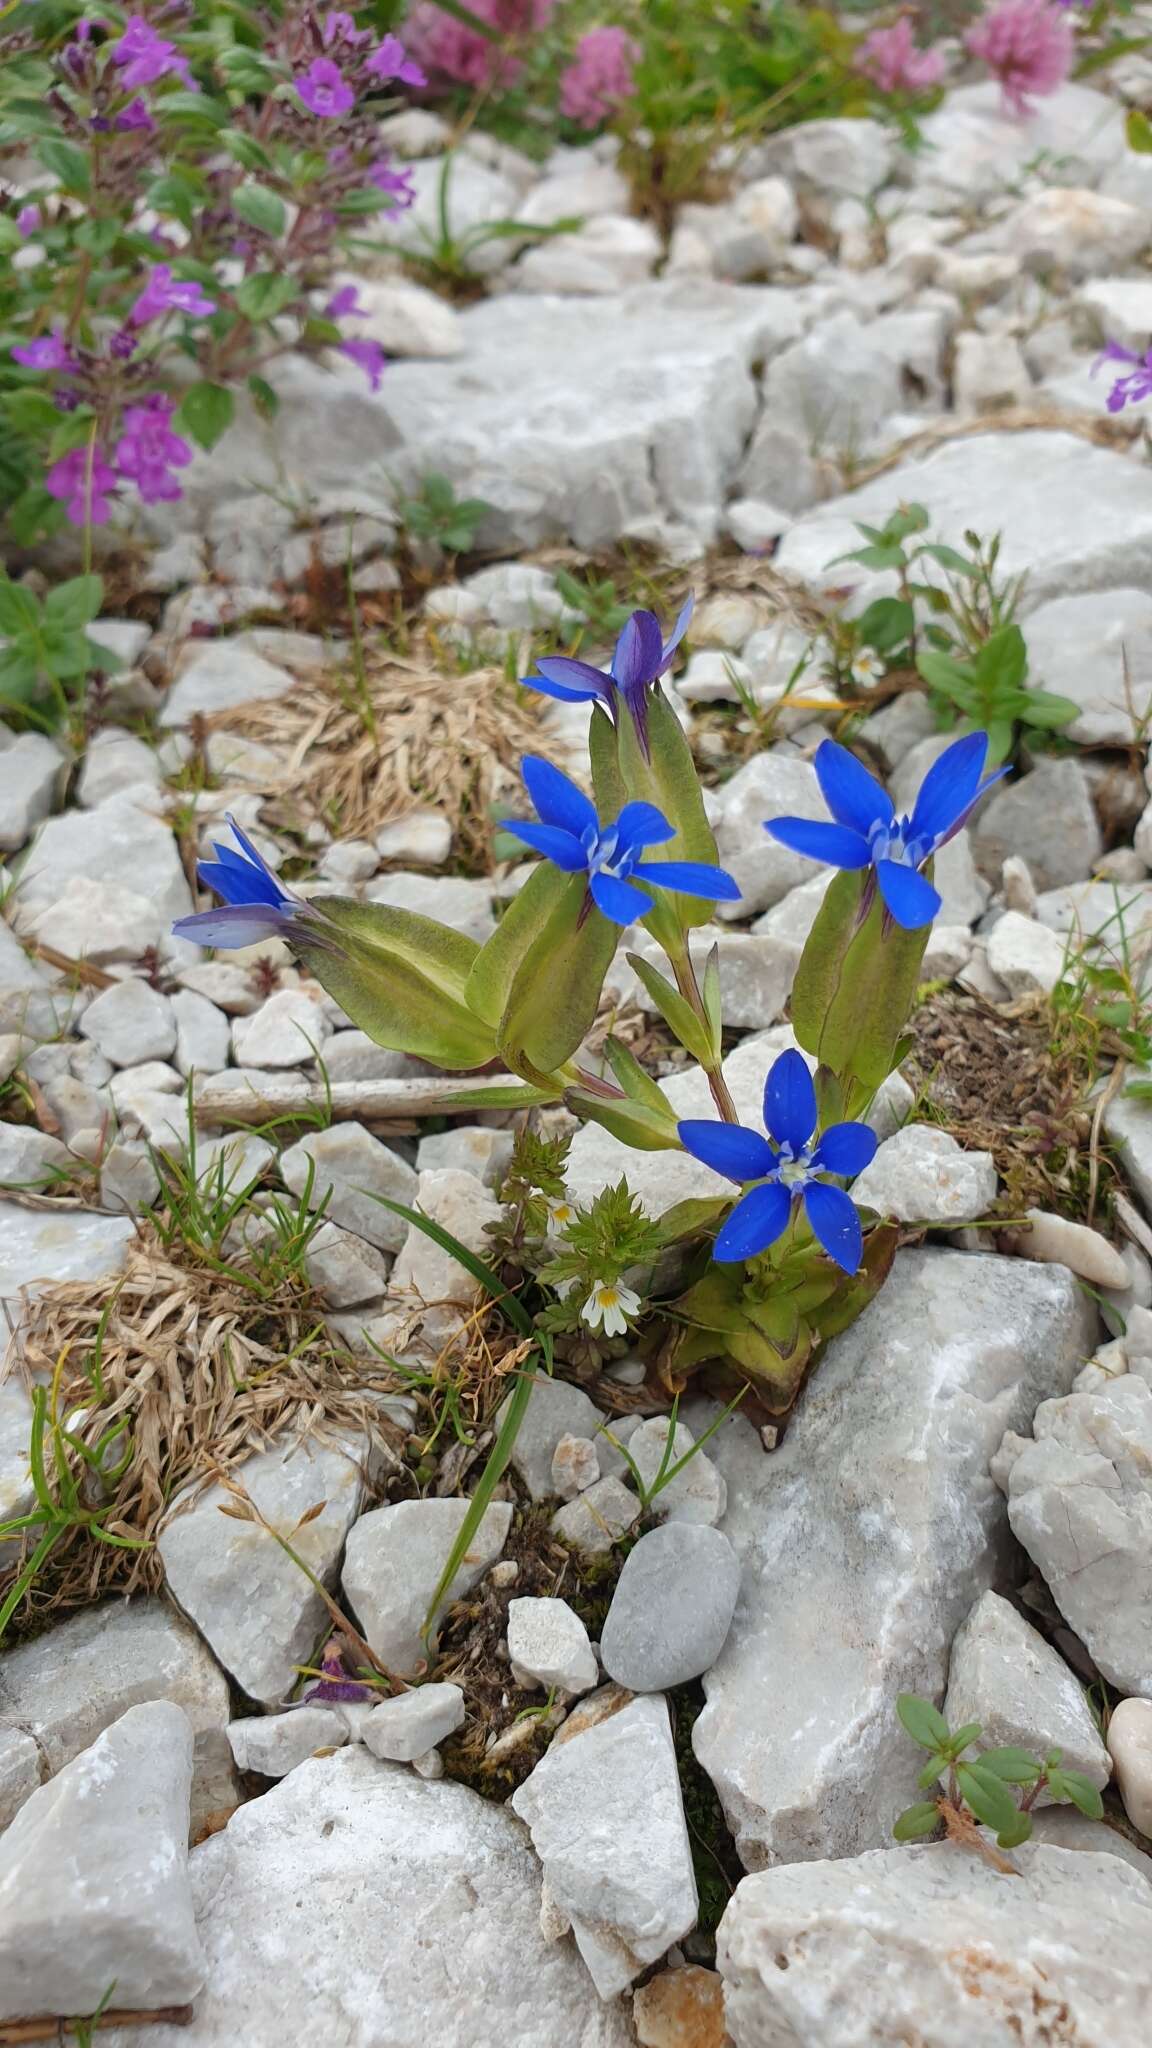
(1130,1747)
(672,1607)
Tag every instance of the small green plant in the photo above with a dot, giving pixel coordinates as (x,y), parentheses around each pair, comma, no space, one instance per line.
(46,652)
(670,1465)
(1101,996)
(438,515)
(446,254)
(997,1788)
(594,600)
(990,691)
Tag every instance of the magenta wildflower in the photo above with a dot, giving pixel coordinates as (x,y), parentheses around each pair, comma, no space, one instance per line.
(135,115)
(82,480)
(47,352)
(890,58)
(28,220)
(165,294)
(148,451)
(463,54)
(391,60)
(144,57)
(345,304)
(341,28)
(1026,44)
(599,76)
(398,184)
(369,356)
(1133,388)
(324,89)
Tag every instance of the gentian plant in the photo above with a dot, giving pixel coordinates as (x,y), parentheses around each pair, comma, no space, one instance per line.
(758,1279)
(176,195)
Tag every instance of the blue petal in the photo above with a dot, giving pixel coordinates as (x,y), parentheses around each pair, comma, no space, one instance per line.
(854,797)
(238,883)
(790,1101)
(558,846)
(617,901)
(755,1223)
(556,798)
(949,788)
(250,849)
(558,690)
(846,1149)
(578,676)
(677,633)
(690,877)
(730,1149)
(912,901)
(997,775)
(836,844)
(639,651)
(641,825)
(835,1224)
(241,924)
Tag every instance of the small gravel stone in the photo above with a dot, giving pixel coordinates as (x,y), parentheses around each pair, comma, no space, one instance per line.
(131,1023)
(423,838)
(923,1176)
(392,1566)
(349,1166)
(698,1493)
(228,986)
(286,1031)
(555,1409)
(1025,955)
(595,1520)
(344,1268)
(1057,1241)
(29,1157)
(410,1726)
(203,1033)
(548,1644)
(470,1148)
(672,1607)
(19,1772)
(575,1466)
(275,1744)
(97,921)
(29,772)
(1130,1747)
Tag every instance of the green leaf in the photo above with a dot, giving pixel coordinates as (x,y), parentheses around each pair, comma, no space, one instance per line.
(506,1095)
(638,1085)
(634,1123)
(988,1796)
(918,1820)
(555,993)
(1015,1766)
(874,557)
(855,984)
(68,162)
(246,151)
(1015,1831)
(498,961)
(206,411)
(1074,1788)
(30,410)
(264,296)
(1138,132)
(922,1721)
(75,603)
(943,672)
(400,977)
(886,624)
(1002,662)
(675,1009)
(192,106)
(909,519)
(19,611)
(177,193)
(260,208)
(1044,708)
(948,558)
(264,398)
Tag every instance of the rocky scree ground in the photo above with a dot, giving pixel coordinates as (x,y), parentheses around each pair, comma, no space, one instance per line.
(623,1711)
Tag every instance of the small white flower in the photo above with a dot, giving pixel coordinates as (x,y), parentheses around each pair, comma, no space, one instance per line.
(866,669)
(610,1305)
(561,1213)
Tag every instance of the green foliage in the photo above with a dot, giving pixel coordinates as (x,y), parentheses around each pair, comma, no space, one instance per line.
(602,1243)
(998,1787)
(437,514)
(595,601)
(855,985)
(990,692)
(47,651)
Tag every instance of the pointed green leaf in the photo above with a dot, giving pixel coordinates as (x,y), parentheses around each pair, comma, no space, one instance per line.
(856,983)
(1015,1766)
(922,1721)
(988,1796)
(637,1084)
(555,992)
(400,977)
(632,1122)
(1079,1791)
(75,603)
(675,1009)
(495,966)
(918,1820)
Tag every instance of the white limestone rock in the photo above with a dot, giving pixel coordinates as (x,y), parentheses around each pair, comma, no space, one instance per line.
(31,770)
(1023,954)
(274,1744)
(930,1944)
(219,675)
(20,1772)
(428,1284)
(548,1645)
(203,1034)
(598,1517)
(94,1884)
(607,1820)
(921,1175)
(1057,1241)
(881,1490)
(115,760)
(1130,1748)
(393,1563)
(1004,1675)
(772,785)
(106,845)
(349,1166)
(406,1727)
(697,1493)
(130,1022)
(345,1269)
(1049,813)
(97,921)
(1097,650)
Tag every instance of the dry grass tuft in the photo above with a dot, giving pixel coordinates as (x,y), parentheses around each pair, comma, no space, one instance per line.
(202,1375)
(410,737)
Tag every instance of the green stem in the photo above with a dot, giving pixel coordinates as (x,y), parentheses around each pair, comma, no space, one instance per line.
(689,987)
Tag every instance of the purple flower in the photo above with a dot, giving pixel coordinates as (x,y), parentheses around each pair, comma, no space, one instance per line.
(82,479)
(144,57)
(571,837)
(642,656)
(47,352)
(1129,390)
(369,357)
(890,58)
(391,60)
(28,220)
(256,906)
(165,294)
(345,304)
(792,1169)
(336,1684)
(324,89)
(148,451)
(599,76)
(397,183)
(341,28)
(462,53)
(1028,45)
(868,834)
(135,115)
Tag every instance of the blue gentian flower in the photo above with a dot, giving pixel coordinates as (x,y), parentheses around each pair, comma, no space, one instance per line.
(867,832)
(256,905)
(642,656)
(571,836)
(787,1167)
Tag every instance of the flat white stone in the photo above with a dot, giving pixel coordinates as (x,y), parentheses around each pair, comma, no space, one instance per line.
(921,1175)
(274,1744)
(348,1165)
(548,1643)
(401,1729)
(1004,1675)
(393,1563)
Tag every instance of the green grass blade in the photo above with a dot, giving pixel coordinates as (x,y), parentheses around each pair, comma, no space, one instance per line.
(494,1469)
(489,1280)
(26,1577)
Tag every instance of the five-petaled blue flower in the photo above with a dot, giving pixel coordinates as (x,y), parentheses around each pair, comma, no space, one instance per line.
(787,1170)
(642,656)
(256,905)
(572,837)
(868,833)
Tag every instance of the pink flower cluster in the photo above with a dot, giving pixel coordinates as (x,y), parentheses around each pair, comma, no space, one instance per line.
(1026,44)
(890,58)
(325,89)
(462,54)
(146,455)
(599,76)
